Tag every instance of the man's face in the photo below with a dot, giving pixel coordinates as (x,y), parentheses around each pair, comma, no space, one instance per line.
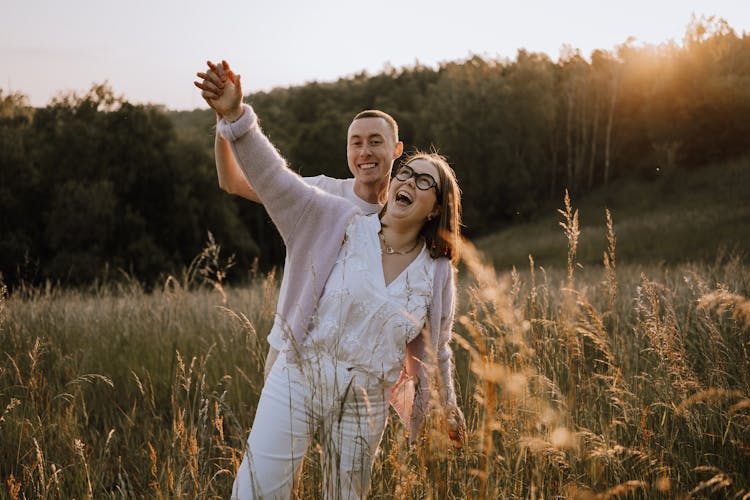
(371,150)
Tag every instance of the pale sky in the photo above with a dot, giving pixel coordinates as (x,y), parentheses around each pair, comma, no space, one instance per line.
(150,50)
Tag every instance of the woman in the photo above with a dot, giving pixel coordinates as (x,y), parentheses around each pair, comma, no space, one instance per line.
(368,318)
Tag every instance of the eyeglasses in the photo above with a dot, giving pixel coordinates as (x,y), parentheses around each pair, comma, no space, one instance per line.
(424,182)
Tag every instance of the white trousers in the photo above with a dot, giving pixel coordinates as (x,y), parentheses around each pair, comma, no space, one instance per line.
(342,406)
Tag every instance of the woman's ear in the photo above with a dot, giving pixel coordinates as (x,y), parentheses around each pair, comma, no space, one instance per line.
(435,212)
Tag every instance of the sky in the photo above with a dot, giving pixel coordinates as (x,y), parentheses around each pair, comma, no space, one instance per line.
(149,50)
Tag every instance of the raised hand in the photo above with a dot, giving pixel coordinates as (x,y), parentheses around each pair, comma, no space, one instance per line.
(222,90)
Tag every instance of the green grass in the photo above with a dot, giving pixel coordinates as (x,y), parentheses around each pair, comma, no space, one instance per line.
(692,216)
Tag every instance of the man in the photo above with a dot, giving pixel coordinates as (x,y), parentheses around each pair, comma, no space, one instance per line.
(371,148)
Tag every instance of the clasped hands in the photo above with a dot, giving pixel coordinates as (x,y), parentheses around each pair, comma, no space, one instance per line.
(222,90)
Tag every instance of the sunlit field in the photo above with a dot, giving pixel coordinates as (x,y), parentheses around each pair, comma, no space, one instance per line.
(604,380)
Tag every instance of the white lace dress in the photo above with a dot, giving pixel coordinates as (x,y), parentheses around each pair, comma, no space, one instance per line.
(361,322)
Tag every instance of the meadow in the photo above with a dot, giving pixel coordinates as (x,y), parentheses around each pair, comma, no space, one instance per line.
(579,378)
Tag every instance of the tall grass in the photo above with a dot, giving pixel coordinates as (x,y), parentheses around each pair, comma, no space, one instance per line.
(577,382)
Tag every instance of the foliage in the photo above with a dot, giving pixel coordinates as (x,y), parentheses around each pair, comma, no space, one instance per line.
(92,182)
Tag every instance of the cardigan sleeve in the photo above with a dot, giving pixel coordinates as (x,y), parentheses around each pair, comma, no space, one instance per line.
(445,332)
(287,198)
(433,345)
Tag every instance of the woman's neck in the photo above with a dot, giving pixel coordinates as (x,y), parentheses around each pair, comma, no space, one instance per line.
(397,234)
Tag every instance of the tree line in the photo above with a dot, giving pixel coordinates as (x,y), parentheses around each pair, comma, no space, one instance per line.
(92,183)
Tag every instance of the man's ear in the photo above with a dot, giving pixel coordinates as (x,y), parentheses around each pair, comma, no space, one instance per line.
(399,150)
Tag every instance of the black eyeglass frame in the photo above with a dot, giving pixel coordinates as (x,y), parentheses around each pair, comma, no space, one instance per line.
(418,177)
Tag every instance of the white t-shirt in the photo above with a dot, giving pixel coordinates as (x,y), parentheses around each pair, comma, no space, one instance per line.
(338,187)
(362,322)
(345,189)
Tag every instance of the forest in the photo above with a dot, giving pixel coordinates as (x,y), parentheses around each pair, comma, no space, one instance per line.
(93,187)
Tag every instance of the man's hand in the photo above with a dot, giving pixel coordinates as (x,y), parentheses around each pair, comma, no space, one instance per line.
(222,90)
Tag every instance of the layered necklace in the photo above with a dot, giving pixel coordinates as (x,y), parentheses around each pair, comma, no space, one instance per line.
(390,250)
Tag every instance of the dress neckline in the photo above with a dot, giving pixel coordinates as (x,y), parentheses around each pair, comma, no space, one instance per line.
(381,269)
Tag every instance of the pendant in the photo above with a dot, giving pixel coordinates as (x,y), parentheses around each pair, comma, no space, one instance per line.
(389,250)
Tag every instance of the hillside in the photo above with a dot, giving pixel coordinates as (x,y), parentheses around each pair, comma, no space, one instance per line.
(692,215)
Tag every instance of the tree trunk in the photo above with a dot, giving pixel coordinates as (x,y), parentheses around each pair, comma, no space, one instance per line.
(569,141)
(610,119)
(594,132)
(582,135)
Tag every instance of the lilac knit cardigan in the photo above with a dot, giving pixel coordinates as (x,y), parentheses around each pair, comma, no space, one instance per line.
(312,224)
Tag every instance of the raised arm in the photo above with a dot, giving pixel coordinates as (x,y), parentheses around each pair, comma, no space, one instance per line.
(290,201)
(231,178)
(230,175)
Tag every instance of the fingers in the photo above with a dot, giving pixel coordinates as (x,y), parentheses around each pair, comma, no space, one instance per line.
(227,71)
(456,436)
(213,77)
(220,87)
(456,427)
(219,74)
(456,440)
(208,92)
(210,83)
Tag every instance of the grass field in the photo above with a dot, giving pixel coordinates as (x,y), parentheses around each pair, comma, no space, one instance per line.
(686,217)
(612,378)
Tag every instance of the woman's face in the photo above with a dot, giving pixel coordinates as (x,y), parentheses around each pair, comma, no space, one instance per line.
(413,194)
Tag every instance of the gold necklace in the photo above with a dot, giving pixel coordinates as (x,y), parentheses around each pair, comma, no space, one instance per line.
(390,250)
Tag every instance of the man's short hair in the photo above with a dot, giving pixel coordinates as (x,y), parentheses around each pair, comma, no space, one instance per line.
(376,113)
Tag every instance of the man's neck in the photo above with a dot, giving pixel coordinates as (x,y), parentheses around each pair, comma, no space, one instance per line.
(377,194)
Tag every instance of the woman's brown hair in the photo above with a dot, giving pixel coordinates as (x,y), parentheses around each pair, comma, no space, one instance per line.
(442,233)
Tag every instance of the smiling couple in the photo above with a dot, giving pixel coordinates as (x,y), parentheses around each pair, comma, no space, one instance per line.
(366,306)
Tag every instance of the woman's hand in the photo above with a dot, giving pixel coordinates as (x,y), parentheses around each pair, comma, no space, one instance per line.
(222,90)
(456,424)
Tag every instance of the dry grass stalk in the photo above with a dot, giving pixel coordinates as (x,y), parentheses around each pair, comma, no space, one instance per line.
(710,395)
(610,262)
(718,482)
(625,488)
(80,448)
(723,301)
(659,323)
(14,487)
